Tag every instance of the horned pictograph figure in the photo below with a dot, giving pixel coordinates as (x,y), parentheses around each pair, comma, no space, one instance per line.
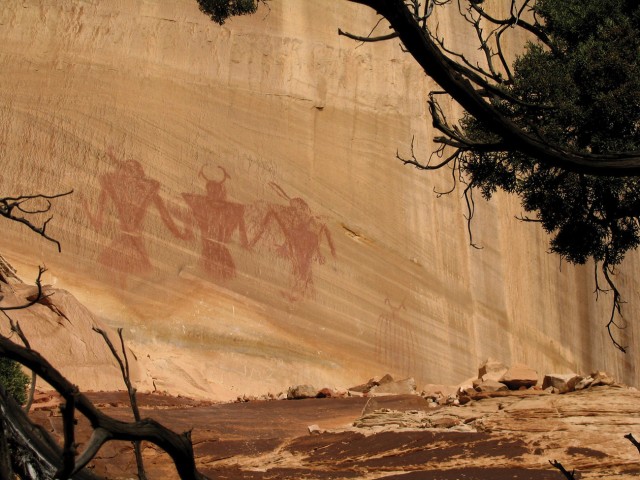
(395,341)
(302,233)
(132,193)
(218,219)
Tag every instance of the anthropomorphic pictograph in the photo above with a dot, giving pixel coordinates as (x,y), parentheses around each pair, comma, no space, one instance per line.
(132,193)
(218,219)
(395,341)
(302,233)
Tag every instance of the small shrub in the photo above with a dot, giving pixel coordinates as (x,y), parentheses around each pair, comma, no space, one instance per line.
(14,380)
(220,10)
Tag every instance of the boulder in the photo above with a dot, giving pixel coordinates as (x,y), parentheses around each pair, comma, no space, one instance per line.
(314,429)
(491,369)
(326,393)
(444,422)
(373,382)
(469,391)
(465,385)
(601,378)
(562,382)
(490,386)
(400,387)
(519,376)
(584,383)
(354,393)
(385,379)
(300,392)
(437,391)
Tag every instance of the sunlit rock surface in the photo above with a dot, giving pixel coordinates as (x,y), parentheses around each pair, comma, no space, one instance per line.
(239,210)
(401,437)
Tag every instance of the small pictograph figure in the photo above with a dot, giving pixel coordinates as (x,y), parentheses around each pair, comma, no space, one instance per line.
(395,342)
(302,233)
(131,192)
(218,219)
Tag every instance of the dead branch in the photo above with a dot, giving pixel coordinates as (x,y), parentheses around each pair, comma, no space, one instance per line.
(465,86)
(34,452)
(471,210)
(33,299)
(632,439)
(131,390)
(367,39)
(12,208)
(616,307)
(568,475)
(69,429)
(179,447)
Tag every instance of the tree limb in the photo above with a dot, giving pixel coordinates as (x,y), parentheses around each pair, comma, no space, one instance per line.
(568,475)
(178,447)
(368,39)
(632,439)
(10,205)
(437,66)
(124,370)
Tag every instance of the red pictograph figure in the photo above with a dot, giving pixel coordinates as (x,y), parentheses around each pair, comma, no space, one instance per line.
(302,233)
(395,342)
(132,193)
(218,219)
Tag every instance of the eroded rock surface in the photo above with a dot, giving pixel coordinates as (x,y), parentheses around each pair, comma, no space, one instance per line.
(508,437)
(239,210)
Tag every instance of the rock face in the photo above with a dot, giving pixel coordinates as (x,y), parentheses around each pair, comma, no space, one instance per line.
(61,329)
(238,208)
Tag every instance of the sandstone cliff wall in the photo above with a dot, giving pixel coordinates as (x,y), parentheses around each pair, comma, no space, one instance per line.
(238,207)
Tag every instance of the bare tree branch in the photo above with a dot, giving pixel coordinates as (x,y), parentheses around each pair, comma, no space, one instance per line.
(463,86)
(632,439)
(178,447)
(367,39)
(69,429)
(471,210)
(35,299)
(131,390)
(615,308)
(568,475)
(515,20)
(10,205)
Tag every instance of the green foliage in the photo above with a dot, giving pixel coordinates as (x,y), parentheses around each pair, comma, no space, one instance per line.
(13,379)
(220,10)
(586,91)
